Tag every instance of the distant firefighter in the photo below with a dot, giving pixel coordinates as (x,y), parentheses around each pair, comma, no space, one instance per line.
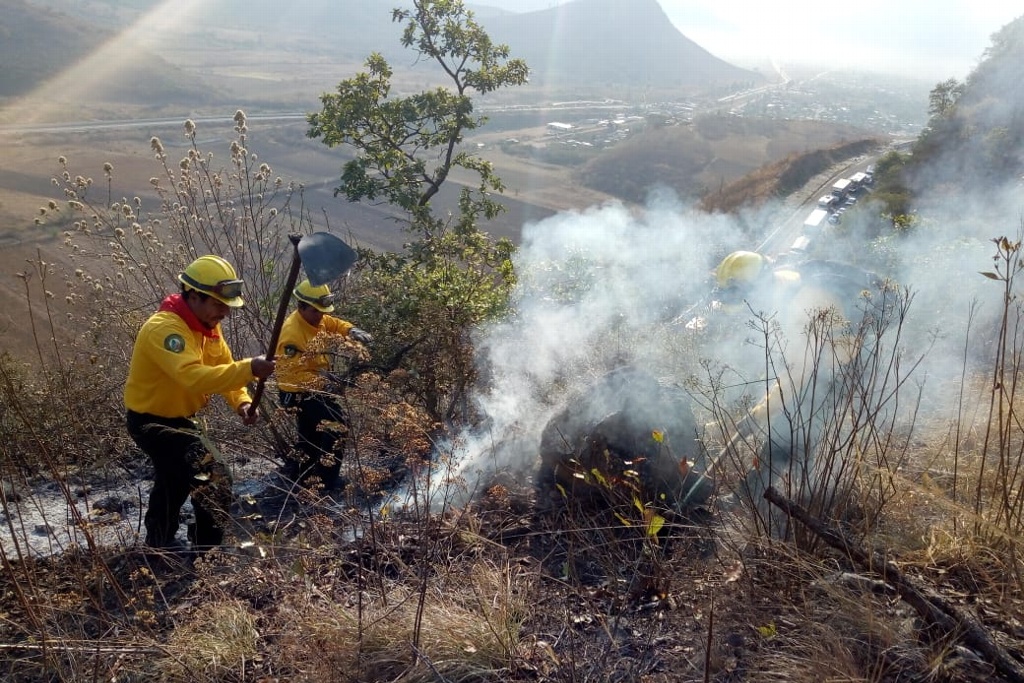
(823,317)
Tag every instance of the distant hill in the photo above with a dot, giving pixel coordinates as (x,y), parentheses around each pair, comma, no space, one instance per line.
(584,43)
(607,42)
(27,58)
(38,43)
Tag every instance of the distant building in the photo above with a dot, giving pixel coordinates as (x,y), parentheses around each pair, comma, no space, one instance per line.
(559,128)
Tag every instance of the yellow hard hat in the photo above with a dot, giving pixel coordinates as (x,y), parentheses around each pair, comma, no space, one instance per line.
(214,276)
(740,269)
(319,298)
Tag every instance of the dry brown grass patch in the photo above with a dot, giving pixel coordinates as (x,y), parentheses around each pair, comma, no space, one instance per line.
(466,630)
(216,642)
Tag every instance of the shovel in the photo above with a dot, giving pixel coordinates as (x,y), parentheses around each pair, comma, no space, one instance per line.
(325,258)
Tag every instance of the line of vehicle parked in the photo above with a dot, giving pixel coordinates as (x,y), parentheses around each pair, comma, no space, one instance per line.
(844,194)
(831,207)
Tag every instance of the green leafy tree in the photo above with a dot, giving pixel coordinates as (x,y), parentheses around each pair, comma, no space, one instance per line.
(890,190)
(452,275)
(943,97)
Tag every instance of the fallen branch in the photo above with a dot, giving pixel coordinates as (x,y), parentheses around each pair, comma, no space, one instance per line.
(85,647)
(933,609)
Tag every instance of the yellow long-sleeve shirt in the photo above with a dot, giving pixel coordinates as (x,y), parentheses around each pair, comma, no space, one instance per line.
(297,370)
(174,369)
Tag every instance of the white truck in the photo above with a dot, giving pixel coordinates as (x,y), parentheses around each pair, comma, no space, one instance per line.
(841,187)
(860,180)
(815,221)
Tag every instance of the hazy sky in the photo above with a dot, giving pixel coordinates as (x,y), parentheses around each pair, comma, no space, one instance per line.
(934,39)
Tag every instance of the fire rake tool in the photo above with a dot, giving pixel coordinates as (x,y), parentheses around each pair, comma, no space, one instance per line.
(324,258)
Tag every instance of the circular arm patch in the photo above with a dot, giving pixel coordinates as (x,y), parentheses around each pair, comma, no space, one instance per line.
(174,343)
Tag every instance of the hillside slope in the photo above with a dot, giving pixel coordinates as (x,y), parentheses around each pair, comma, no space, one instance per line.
(974,143)
(39,45)
(578,44)
(702,158)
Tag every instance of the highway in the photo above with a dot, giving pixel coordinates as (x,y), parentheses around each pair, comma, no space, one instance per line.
(792,216)
(127,124)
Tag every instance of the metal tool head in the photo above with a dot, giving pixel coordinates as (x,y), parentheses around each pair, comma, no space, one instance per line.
(325,257)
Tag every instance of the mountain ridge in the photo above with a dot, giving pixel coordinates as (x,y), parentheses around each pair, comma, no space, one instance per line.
(579,44)
(632,43)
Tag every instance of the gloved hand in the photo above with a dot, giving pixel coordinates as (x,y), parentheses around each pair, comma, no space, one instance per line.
(361,336)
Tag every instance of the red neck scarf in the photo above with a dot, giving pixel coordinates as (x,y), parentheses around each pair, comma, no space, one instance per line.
(175,303)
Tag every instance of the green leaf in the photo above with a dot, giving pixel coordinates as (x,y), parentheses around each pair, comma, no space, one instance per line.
(655,524)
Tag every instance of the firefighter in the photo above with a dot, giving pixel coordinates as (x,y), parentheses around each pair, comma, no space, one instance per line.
(319,420)
(816,308)
(179,359)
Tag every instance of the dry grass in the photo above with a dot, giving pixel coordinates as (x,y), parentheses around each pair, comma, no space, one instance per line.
(780,178)
(723,161)
(467,628)
(216,640)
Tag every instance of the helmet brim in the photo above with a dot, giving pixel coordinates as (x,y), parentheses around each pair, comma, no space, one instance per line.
(237,302)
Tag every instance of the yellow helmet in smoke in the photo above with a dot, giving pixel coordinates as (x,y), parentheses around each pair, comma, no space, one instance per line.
(740,269)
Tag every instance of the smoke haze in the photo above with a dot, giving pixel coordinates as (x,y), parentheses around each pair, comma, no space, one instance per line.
(599,289)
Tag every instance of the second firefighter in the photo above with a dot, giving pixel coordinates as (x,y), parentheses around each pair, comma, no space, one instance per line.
(320,420)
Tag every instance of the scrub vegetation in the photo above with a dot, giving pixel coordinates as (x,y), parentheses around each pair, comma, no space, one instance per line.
(899,560)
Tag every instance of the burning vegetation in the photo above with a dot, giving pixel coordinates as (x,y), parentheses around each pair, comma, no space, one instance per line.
(550,476)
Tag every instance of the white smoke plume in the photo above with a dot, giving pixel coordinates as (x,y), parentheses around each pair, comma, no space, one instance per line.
(598,289)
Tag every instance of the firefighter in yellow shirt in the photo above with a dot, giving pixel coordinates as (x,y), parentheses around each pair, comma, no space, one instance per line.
(819,307)
(320,420)
(180,358)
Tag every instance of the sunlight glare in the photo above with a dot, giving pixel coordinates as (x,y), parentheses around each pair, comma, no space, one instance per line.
(57,98)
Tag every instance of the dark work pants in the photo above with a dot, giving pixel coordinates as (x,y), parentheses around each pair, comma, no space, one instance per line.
(182,466)
(320,443)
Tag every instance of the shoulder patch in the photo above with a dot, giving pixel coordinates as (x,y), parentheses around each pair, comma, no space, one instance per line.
(291,350)
(174,343)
